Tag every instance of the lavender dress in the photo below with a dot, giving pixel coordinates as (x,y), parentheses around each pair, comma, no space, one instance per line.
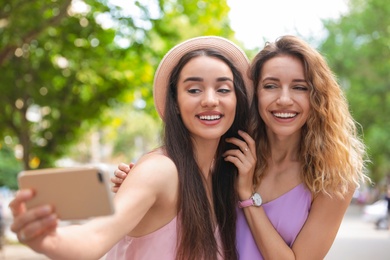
(287,214)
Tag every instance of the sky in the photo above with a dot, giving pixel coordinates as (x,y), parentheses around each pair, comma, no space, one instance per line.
(257,21)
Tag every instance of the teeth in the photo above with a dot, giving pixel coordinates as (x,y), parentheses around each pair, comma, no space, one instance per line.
(285,115)
(210,117)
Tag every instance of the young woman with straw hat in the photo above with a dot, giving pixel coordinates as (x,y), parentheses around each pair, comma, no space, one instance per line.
(178,203)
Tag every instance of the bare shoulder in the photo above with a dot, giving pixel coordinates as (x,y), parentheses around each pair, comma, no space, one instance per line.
(156,167)
(334,205)
(325,200)
(156,160)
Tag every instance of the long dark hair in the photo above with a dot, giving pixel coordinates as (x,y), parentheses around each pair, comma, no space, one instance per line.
(196,239)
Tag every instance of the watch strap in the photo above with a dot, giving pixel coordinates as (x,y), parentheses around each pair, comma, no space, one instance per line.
(245,203)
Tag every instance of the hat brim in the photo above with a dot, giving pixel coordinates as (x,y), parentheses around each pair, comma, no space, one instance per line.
(170,60)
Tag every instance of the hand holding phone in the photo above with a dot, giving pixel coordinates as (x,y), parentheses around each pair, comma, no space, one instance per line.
(76,193)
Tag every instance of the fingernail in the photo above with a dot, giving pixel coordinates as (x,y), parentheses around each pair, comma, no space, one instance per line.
(46,209)
(51,217)
(24,193)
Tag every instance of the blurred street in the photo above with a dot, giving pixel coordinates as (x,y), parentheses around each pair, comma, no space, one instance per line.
(357,240)
(19,252)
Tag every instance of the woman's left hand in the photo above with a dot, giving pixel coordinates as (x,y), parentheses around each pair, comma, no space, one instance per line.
(120,175)
(244,159)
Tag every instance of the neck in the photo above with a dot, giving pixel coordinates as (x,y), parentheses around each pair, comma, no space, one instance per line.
(284,148)
(205,154)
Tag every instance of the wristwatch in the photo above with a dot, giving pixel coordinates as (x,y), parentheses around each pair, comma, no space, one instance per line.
(255,200)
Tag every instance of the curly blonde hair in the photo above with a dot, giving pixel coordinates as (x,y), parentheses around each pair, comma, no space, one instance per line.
(331,153)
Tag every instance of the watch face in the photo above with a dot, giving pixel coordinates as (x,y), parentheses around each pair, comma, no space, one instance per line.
(257,199)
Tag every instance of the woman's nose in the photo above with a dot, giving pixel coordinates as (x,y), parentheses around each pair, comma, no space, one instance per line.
(285,98)
(210,99)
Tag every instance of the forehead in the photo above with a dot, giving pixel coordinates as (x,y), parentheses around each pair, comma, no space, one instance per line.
(205,65)
(283,66)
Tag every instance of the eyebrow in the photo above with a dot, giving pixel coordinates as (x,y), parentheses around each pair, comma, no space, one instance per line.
(277,79)
(220,79)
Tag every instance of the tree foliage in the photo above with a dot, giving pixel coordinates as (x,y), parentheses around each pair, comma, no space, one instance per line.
(9,168)
(64,62)
(358,49)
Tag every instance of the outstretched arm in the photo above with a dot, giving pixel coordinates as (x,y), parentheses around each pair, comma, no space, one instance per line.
(37,227)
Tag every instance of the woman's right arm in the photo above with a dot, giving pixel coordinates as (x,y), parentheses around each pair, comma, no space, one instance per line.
(37,227)
(31,226)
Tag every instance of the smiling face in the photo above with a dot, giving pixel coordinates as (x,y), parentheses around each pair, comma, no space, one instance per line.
(283,96)
(206,97)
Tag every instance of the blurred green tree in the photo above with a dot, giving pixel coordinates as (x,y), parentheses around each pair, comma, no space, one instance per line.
(127,134)
(9,168)
(64,62)
(358,49)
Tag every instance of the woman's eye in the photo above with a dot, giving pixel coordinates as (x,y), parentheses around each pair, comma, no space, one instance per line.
(193,90)
(269,86)
(224,90)
(301,88)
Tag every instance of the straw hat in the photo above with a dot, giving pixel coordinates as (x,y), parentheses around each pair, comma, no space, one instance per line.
(170,60)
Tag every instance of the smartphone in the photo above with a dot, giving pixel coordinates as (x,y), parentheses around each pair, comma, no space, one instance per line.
(77,193)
